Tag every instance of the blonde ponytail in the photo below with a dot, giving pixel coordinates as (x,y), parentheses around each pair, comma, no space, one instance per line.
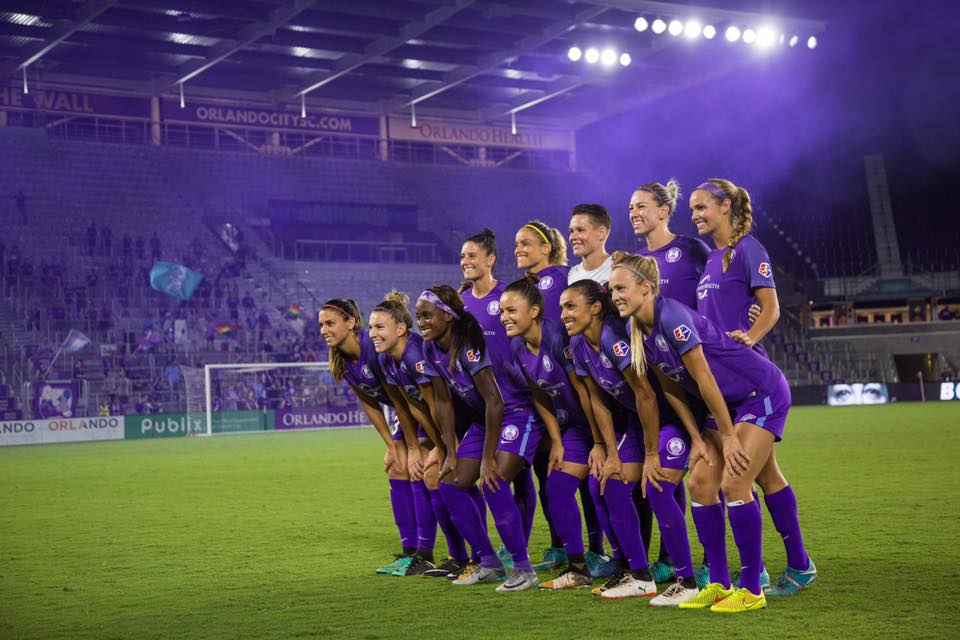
(638,357)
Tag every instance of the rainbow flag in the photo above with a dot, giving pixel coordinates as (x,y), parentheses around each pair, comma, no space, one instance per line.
(293,312)
(227,329)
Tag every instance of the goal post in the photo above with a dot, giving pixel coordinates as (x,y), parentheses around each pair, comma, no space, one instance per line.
(268,396)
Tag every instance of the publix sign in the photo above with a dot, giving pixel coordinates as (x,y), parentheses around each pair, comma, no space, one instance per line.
(162,425)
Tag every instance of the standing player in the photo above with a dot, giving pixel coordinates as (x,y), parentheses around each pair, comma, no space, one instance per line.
(590,226)
(738,272)
(354,359)
(749,398)
(401,358)
(493,451)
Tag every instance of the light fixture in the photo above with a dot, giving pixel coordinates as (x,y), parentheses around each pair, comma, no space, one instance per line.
(732,34)
(692,29)
(749,36)
(26,87)
(812,42)
(794,40)
(641,24)
(592,56)
(625,59)
(183,103)
(709,32)
(303,106)
(675,28)
(658,26)
(413,115)
(765,37)
(513,122)
(574,54)
(608,57)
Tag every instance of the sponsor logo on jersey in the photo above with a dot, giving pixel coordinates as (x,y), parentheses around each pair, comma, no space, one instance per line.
(764,269)
(493,307)
(673,374)
(420,366)
(545,283)
(605,361)
(366,371)
(562,416)
(682,333)
(662,343)
(676,446)
(547,364)
(473,355)
(621,348)
(747,418)
(568,353)
(674,254)
(509,433)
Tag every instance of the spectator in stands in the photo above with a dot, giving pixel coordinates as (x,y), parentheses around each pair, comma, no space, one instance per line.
(78,373)
(103,409)
(173,376)
(116,408)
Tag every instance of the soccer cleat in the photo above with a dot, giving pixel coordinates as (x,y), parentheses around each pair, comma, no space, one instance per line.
(708,596)
(505,557)
(443,569)
(662,572)
(569,579)
(674,595)
(481,575)
(631,587)
(553,558)
(740,601)
(600,566)
(391,568)
(615,578)
(702,575)
(764,580)
(418,566)
(467,569)
(793,580)
(520,581)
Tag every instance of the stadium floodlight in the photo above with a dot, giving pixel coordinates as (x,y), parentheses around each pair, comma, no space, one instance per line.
(625,59)
(812,42)
(709,32)
(732,34)
(765,37)
(658,26)
(794,40)
(26,87)
(692,29)
(413,115)
(641,24)
(675,28)
(608,57)
(783,39)
(574,54)
(183,102)
(592,56)
(513,122)
(303,106)
(749,36)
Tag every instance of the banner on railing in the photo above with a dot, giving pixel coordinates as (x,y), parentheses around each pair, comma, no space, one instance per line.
(450,132)
(61,430)
(55,398)
(81,103)
(245,116)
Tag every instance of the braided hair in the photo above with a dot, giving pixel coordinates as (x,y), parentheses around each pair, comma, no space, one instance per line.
(741,214)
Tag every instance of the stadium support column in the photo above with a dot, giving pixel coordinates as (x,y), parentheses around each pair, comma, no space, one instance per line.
(155,120)
(384,143)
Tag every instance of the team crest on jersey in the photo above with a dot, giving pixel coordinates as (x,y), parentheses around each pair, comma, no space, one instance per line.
(510,433)
(547,364)
(473,355)
(621,349)
(675,446)
(674,254)
(561,416)
(545,283)
(673,374)
(568,353)
(662,343)
(493,307)
(764,269)
(682,333)
(605,361)
(420,366)
(366,372)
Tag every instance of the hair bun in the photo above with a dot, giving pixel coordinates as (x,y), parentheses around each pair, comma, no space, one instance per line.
(397,297)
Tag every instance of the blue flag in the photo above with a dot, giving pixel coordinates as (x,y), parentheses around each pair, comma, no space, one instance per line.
(75,341)
(175,280)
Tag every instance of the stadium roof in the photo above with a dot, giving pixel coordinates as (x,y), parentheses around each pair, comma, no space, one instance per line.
(471,59)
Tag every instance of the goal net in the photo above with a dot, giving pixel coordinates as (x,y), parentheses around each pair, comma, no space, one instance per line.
(255,397)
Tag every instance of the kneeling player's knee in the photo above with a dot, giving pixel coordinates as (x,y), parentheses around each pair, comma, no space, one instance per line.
(736,487)
(703,487)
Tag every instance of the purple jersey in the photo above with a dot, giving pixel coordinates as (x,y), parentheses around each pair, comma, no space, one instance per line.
(553,280)
(606,365)
(549,369)
(740,371)
(365,373)
(681,264)
(469,362)
(486,310)
(411,370)
(725,298)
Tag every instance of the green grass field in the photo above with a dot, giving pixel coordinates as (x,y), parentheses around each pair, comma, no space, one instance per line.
(277,536)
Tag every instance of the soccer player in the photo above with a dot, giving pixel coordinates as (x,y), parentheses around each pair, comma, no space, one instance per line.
(747,395)
(737,273)
(493,449)
(354,359)
(590,226)
(541,351)
(401,358)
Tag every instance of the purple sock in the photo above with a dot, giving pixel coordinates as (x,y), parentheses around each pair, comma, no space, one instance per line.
(525,495)
(680,495)
(713,536)
(673,527)
(404,514)
(509,523)
(626,522)
(456,546)
(603,516)
(466,517)
(426,520)
(746,524)
(782,506)
(594,528)
(477,496)
(565,512)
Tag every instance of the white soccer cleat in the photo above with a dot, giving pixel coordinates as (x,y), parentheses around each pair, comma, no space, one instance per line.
(480,575)
(520,581)
(674,595)
(631,587)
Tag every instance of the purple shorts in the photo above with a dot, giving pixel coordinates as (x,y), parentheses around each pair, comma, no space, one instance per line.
(674,448)
(521,434)
(471,444)
(397,433)
(630,445)
(577,442)
(766,411)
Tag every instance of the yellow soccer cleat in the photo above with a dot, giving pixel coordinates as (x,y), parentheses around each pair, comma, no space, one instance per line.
(710,595)
(740,601)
